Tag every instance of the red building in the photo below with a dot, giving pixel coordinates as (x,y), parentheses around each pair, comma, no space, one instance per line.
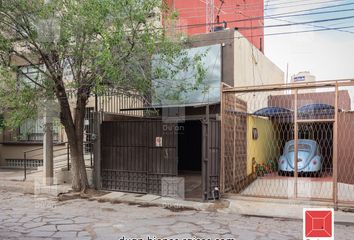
(195,16)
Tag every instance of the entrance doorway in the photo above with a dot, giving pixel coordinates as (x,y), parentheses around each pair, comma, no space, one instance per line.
(190,158)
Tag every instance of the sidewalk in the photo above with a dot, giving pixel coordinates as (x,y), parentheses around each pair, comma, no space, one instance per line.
(155,200)
(12,180)
(281,208)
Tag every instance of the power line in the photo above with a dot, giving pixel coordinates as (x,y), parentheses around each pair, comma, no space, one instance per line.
(258,6)
(290,12)
(283,14)
(297,23)
(274,34)
(250,19)
(317,26)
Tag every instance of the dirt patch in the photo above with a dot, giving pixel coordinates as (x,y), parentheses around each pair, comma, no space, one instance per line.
(217,205)
(348,209)
(108,210)
(90,194)
(179,209)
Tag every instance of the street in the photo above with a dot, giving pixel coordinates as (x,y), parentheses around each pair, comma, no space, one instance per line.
(31,217)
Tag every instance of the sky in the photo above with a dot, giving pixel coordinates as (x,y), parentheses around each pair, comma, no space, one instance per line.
(328,55)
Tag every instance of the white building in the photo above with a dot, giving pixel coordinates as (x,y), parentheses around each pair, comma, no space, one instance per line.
(304,77)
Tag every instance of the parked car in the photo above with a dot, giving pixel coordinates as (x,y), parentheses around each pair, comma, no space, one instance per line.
(309,157)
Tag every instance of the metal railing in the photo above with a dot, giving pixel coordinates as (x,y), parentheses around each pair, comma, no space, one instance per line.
(15,137)
(57,152)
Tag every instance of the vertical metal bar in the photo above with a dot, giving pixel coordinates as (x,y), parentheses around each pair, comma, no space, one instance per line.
(91,150)
(234,145)
(296,147)
(96,103)
(222,125)
(335,150)
(24,166)
(68,156)
(206,159)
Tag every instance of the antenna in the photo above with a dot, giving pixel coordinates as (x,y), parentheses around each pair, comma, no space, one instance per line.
(209,15)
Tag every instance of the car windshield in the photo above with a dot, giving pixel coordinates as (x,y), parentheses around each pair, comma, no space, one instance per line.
(302,147)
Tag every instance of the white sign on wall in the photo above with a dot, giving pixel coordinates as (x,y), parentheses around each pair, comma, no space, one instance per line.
(158,142)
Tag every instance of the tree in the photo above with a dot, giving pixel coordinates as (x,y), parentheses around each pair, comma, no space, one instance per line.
(99,44)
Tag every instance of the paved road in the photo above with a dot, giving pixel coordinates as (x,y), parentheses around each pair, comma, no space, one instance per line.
(28,217)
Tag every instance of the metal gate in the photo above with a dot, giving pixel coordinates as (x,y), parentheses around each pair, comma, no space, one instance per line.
(289,141)
(136,154)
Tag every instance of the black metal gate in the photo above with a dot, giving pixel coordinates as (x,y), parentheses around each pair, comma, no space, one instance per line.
(211,159)
(136,154)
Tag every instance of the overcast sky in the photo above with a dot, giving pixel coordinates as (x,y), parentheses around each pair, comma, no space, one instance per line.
(328,54)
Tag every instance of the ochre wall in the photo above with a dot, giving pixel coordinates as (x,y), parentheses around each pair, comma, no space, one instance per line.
(266,146)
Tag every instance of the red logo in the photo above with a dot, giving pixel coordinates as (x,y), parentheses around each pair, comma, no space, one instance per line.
(318,224)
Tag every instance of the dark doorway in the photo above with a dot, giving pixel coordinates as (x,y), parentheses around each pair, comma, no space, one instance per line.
(190,157)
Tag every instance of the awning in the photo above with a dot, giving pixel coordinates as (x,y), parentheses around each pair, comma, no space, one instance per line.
(273,112)
(316,109)
(154,107)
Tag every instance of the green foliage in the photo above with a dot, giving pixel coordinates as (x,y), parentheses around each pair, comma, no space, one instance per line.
(268,167)
(20,103)
(86,46)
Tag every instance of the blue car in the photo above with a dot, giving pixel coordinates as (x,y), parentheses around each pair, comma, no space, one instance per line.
(309,157)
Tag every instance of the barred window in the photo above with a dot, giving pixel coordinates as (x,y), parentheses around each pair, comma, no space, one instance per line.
(33,130)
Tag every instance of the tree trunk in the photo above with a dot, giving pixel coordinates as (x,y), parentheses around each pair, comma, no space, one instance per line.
(78,168)
(74,155)
(79,122)
(74,128)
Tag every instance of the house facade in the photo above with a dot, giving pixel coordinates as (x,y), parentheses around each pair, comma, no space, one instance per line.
(183,139)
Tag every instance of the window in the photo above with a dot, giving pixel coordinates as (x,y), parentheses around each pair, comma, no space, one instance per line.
(32,130)
(29,74)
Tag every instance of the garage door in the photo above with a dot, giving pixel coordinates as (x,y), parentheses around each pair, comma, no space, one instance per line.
(137,154)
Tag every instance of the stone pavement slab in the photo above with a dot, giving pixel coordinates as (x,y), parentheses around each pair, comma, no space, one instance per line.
(83,219)
(153,200)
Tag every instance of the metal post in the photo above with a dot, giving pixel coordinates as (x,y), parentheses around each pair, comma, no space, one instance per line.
(68,156)
(97,150)
(206,155)
(335,150)
(222,135)
(91,149)
(296,147)
(24,166)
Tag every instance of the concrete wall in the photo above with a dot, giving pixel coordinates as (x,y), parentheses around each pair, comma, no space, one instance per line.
(15,151)
(265,147)
(287,101)
(252,67)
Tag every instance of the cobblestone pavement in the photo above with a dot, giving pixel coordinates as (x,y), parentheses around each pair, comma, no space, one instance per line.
(28,217)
